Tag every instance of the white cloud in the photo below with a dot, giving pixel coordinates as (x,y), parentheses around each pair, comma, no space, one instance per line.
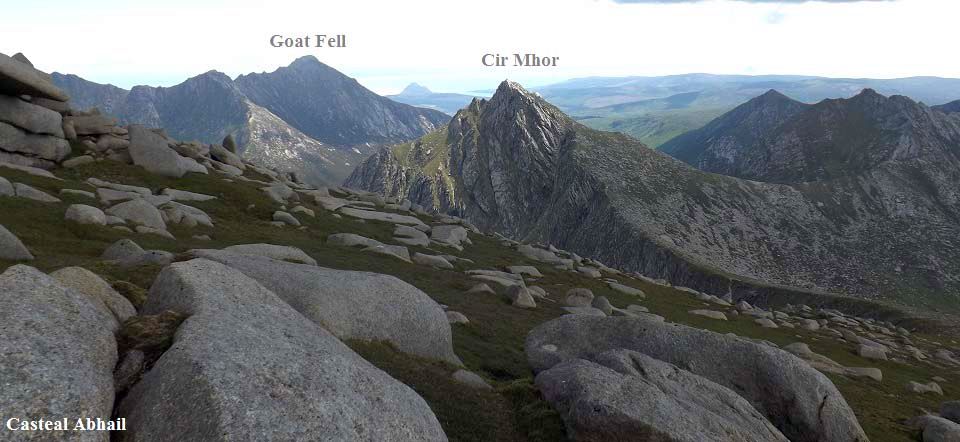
(439,43)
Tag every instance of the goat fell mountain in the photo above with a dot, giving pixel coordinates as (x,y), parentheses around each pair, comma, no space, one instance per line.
(518,165)
(305,117)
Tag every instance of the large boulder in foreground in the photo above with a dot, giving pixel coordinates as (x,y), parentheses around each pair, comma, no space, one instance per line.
(800,401)
(245,364)
(57,354)
(353,305)
(625,395)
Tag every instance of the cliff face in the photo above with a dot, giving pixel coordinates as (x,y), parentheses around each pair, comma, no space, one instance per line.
(517,165)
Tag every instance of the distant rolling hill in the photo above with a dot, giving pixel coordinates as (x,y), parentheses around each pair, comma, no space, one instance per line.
(417,95)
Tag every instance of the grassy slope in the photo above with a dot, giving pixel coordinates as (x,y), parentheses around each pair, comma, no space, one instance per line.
(654,127)
(491,344)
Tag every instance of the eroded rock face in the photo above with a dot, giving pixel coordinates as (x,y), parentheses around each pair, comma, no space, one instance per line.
(57,352)
(242,341)
(353,305)
(625,395)
(800,401)
(518,166)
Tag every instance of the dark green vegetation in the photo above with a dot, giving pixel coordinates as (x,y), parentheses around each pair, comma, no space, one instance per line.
(490,345)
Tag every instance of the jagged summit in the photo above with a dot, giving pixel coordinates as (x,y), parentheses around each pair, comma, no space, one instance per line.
(517,165)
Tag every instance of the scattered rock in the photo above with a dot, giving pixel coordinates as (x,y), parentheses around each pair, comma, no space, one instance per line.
(285,218)
(370,245)
(410,236)
(457,318)
(303,210)
(25,191)
(471,379)
(11,248)
(432,261)
(151,231)
(603,304)
(626,289)
(766,323)
(589,272)
(712,314)
(381,216)
(187,216)
(183,195)
(281,253)
(74,192)
(138,212)
(150,151)
(578,297)
(931,387)
(538,254)
(77,161)
(481,288)
(83,214)
(525,270)
(871,352)
(30,117)
(520,297)
(122,250)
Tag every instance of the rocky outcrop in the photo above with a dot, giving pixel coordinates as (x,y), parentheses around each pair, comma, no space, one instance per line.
(353,305)
(54,337)
(242,341)
(625,395)
(31,134)
(517,165)
(802,403)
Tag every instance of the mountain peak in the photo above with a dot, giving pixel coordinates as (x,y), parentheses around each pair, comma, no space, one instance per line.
(415,89)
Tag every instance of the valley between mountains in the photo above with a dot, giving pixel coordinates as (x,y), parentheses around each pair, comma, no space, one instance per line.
(261,258)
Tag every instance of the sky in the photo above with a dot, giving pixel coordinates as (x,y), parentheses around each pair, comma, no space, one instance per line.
(440,44)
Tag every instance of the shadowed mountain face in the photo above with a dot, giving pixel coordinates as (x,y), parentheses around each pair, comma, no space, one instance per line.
(331,107)
(518,165)
(951,107)
(306,117)
(775,139)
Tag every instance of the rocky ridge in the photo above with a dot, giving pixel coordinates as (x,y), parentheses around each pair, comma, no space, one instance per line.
(517,165)
(272,119)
